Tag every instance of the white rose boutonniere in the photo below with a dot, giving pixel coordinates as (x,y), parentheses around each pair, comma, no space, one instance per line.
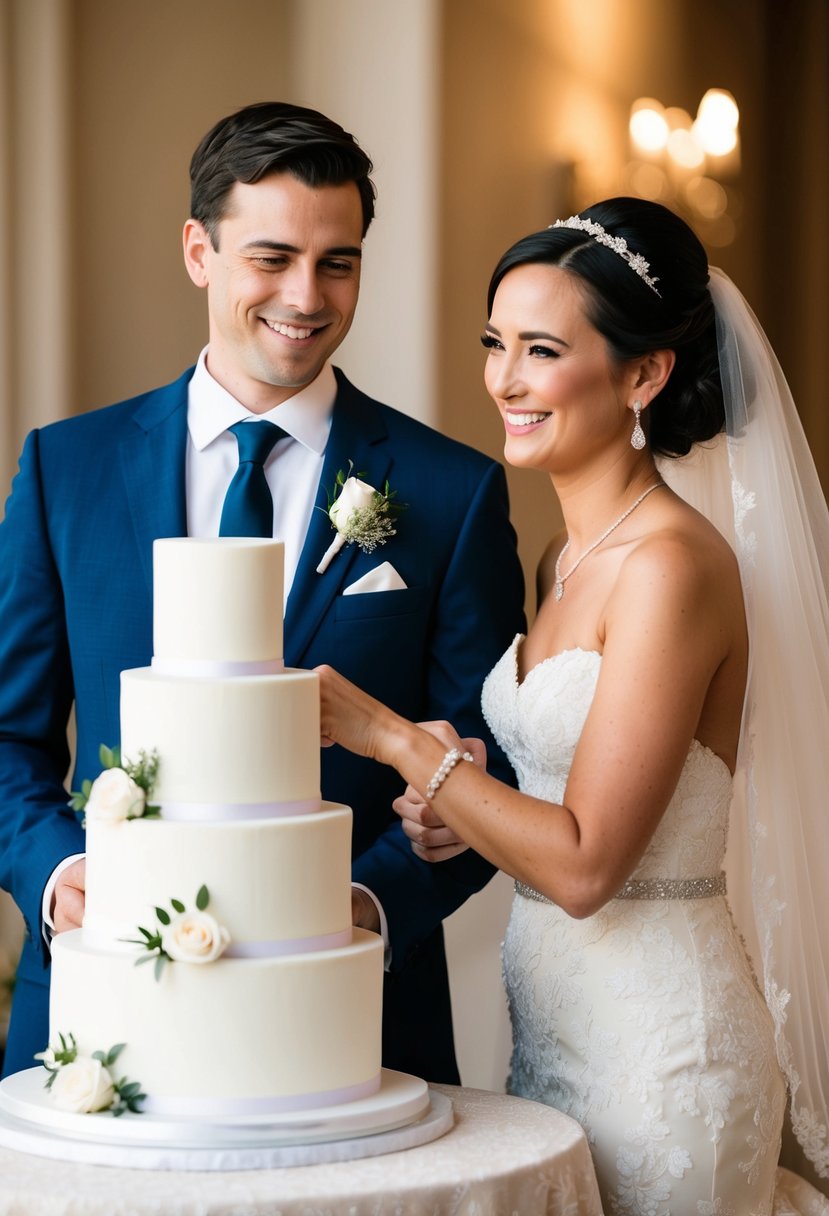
(360,515)
(85,1084)
(194,937)
(122,790)
(184,937)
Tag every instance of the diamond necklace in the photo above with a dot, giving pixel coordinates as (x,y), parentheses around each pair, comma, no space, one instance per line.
(560,578)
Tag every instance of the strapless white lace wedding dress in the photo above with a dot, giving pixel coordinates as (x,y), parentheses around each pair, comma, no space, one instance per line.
(643,1022)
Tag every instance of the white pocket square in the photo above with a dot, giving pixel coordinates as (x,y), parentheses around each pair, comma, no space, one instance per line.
(381,578)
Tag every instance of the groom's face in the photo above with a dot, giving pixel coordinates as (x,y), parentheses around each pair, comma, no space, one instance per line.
(282,284)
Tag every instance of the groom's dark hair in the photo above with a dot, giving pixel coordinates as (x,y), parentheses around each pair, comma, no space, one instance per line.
(274,137)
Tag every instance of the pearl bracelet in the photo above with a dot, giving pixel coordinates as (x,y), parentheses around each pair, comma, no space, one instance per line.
(452,757)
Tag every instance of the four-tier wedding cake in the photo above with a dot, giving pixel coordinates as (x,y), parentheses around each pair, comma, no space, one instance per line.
(267,1000)
(252,1039)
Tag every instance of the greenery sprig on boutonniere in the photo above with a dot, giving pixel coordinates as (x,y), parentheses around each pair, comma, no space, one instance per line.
(85,1084)
(182,936)
(121,791)
(360,515)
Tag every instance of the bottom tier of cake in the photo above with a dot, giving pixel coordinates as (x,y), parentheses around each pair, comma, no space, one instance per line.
(232,1037)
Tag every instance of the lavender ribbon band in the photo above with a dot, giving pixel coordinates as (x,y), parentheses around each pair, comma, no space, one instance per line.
(227,812)
(212,1107)
(217,669)
(102,934)
(294,945)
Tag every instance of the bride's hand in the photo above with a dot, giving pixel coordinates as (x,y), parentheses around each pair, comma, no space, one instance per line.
(352,718)
(431,839)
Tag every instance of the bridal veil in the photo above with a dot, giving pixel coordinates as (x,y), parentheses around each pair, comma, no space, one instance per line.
(758,484)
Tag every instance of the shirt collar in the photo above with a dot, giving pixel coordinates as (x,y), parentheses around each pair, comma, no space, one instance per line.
(306,416)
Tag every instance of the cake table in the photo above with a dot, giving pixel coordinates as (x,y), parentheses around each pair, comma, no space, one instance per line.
(502,1156)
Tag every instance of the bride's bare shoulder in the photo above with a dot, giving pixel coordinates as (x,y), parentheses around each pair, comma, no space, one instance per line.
(684,546)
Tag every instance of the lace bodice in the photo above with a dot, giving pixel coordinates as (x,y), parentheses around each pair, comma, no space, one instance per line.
(538,723)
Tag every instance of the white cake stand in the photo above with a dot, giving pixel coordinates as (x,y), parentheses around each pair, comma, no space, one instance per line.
(404,1113)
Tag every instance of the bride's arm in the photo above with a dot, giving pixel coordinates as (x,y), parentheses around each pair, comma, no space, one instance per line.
(669,626)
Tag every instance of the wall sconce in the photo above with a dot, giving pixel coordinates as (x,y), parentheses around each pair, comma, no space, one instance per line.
(689,164)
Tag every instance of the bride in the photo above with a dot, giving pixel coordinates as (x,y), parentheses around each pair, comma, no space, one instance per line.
(673,666)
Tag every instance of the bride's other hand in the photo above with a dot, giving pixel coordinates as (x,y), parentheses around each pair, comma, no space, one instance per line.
(431,839)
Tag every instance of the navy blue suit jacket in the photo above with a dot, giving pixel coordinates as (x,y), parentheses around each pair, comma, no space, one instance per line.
(91,495)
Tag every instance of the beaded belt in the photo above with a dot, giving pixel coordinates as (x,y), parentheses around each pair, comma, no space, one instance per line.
(650,888)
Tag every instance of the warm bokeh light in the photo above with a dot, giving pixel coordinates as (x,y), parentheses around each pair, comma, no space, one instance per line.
(716,123)
(707,197)
(648,125)
(718,106)
(647,180)
(717,141)
(677,118)
(678,160)
(684,149)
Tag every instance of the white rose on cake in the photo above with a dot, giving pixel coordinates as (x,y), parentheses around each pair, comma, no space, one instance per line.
(194,937)
(115,796)
(83,1086)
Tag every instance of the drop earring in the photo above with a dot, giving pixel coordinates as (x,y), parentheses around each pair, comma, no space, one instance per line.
(637,439)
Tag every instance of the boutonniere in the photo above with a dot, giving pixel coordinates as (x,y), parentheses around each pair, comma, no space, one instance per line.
(360,515)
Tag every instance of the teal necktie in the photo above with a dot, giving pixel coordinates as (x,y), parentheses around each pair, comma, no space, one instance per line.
(248,506)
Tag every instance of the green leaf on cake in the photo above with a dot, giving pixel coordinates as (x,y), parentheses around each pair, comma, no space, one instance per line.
(110,757)
(163,946)
(143,771)
(78,798)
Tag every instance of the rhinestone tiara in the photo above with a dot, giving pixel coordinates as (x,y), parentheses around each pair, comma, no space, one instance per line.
(618,244)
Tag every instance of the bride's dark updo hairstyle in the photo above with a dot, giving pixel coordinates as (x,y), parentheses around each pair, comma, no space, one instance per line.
(633,319)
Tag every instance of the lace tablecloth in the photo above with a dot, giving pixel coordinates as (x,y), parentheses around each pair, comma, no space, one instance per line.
(503,1157)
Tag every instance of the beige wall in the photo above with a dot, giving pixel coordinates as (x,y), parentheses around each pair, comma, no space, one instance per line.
(149,79)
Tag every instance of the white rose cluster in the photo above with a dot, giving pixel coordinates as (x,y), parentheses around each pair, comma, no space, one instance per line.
(115,796)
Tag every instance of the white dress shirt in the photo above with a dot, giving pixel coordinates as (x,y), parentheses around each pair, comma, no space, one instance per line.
(292,469)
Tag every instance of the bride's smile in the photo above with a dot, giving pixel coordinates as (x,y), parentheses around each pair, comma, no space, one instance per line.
(550,373)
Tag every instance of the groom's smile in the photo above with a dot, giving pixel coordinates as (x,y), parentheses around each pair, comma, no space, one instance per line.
(282,284)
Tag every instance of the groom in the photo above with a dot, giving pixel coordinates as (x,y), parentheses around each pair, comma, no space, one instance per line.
(281,202)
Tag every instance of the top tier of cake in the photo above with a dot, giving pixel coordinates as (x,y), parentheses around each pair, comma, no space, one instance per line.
(236,733)
(217,603)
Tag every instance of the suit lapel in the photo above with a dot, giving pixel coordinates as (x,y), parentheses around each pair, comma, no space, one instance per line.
(358,434)
(152,462)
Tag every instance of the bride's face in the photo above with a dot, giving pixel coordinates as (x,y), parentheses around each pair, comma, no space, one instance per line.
(550,373)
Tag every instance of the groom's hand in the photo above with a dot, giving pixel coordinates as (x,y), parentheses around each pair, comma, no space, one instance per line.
(364,912)
(68,904)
